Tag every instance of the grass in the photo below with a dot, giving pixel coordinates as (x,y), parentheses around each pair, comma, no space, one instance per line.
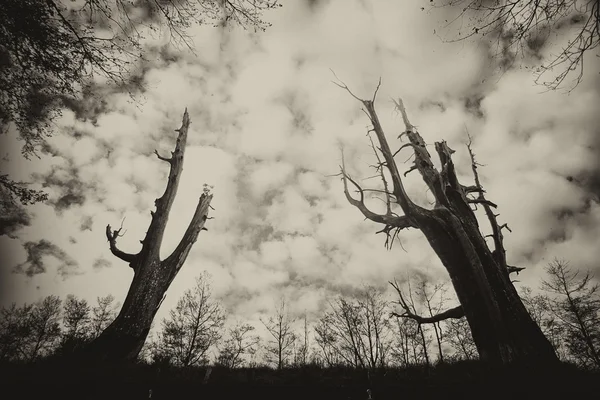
(58,379)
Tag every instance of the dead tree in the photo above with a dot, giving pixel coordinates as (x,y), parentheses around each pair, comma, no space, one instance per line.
(124,337)
(502,328)
(280,327)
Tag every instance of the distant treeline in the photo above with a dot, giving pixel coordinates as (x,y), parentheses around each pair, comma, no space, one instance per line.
(363,331)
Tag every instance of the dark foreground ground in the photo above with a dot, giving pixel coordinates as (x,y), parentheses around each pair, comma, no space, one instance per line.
(57,380)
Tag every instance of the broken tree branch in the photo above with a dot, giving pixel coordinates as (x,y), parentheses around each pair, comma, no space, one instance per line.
(153,239)
(456,312)
(513,269)
(161,157)
(190,236)
(112,239)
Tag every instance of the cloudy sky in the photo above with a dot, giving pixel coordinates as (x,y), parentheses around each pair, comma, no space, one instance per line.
(267,125)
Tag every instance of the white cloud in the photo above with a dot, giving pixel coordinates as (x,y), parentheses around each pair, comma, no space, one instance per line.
(267,124)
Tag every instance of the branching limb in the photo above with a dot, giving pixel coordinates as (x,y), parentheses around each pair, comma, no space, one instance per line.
(162,158)
(397,189)
(456,312)
(112,239)
(387,219)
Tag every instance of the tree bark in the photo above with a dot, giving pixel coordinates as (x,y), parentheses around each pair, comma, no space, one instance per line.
(501,327)
(123,339)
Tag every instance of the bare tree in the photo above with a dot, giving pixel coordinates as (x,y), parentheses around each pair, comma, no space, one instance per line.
(538,306)
(302,351)
(193,327)
(501,326)
(577,308)
(15,330)
(125,336)
(102,314)
(410,311)
(45,328)
(405,342)
(325,339)
(376,325)
(76,320)
(280,326)
(524,27)
(76,317)
(240,343)
(458,334)
(433,298)
(356,330)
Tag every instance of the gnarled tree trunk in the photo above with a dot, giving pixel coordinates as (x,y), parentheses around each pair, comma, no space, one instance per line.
(124,337)
(501,327)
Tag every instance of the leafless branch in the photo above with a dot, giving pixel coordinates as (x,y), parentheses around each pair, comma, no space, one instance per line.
(389,219)
(161,157)
(112,236)
(499,251)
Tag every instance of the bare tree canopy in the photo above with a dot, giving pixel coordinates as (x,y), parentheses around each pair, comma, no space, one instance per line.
(193,327)
(523,27)
(102,314)
(576,307)
(356,331)
(502,328)
(240,343)
(280,327)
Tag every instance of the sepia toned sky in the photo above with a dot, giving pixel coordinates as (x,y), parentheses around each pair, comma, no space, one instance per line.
(267,126)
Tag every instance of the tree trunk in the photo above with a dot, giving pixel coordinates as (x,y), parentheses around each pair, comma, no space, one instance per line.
(123,339)
(501,326)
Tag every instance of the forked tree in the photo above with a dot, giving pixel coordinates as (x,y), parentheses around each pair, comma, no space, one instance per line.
(124,337)
(502,328)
